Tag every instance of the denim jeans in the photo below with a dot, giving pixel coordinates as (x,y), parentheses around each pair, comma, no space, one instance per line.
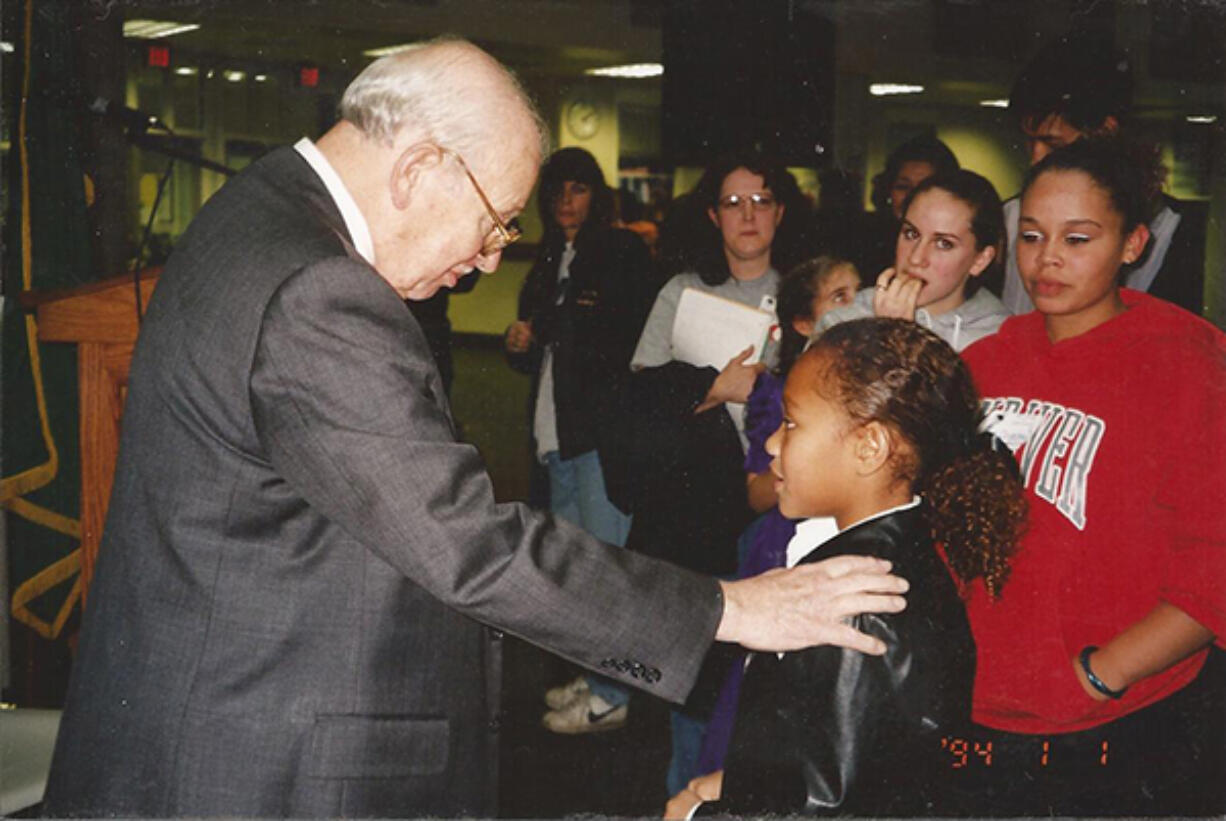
(577,494)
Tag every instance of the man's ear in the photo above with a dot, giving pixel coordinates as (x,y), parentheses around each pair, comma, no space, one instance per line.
(407,170)
(873,448)
(804,325)
(714,218)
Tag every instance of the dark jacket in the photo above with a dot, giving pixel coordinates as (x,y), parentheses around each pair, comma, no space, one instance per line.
(1181,279)
(688,495)
(594,330)
(833,731)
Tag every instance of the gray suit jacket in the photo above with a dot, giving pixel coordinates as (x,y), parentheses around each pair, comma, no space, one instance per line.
(285,616)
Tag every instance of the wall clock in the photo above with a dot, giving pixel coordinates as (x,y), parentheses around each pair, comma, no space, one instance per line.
(582,118)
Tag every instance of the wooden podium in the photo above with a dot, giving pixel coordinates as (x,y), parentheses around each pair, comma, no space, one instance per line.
(100,319)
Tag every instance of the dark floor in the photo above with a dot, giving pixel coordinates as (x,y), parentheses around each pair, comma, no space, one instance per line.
(544,775)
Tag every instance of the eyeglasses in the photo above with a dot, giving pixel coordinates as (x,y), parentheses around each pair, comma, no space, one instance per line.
(761,201)
(504,233)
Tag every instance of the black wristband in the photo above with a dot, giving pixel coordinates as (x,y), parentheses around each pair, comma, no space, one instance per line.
(1096,682)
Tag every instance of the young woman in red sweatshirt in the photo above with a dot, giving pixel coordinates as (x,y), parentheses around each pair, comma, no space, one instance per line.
(1092,695)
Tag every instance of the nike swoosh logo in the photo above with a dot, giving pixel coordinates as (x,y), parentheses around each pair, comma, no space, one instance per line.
(593,718)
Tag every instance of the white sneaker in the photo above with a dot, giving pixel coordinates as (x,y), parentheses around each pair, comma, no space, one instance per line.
(587,714)
(559,698)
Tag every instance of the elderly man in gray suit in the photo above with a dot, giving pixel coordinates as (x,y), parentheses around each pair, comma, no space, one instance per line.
(287,616)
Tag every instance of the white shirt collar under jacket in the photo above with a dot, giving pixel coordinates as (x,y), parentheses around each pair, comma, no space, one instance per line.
(355,223)
(813,533)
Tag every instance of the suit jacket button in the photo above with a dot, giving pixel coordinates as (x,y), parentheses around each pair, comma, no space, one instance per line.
(497,635)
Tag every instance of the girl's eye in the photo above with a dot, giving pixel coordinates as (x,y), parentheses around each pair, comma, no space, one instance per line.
(944,244)
(1030,236)
(839,297)
(788,424)
(909,233)
(1076,239)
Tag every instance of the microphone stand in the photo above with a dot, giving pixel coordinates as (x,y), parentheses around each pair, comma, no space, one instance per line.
(140,138)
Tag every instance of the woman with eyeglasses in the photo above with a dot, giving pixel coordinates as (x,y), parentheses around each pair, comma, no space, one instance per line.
(690,505)
(580,312)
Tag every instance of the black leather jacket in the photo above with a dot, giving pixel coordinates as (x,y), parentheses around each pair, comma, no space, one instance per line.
(828,731)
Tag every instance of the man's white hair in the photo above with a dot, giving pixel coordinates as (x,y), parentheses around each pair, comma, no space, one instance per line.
(441,88)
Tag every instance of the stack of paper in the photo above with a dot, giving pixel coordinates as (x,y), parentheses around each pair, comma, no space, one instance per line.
(709,330)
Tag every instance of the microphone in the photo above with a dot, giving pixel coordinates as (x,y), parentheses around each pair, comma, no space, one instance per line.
(130,118)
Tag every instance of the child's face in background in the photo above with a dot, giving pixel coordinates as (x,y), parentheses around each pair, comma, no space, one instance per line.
(936,246)
(813,460)
(1071,244)
(836,290)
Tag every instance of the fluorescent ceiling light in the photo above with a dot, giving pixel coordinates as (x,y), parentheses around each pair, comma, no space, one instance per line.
(386,50)
(235,76)
(885,89)
(259,78)
(632,70)
(994,103)
(6,46)
(152,29)
(1202,118)
(186,71)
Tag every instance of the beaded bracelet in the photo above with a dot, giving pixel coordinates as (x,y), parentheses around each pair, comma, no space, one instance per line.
(1096,682)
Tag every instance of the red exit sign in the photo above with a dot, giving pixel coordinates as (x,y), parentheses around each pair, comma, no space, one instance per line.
(308,76)
(158,56)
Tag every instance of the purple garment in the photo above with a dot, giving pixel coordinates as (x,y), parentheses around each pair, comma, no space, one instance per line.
(767,539)
(769,536)
(763,416)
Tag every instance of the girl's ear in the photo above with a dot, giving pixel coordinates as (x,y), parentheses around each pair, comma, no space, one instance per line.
(407,170)
(873,448)
(804,325)
(714,218)
(982,260)
(1134,243)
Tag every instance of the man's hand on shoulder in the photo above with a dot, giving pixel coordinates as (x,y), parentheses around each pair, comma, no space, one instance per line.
(809,605)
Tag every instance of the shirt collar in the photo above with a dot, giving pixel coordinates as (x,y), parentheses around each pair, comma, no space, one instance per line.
(813,533)
(355,223)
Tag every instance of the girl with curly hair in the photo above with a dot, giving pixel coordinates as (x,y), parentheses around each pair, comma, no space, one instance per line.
(880,453)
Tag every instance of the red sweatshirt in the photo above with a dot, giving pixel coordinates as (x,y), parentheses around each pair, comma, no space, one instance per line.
(1121,438)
